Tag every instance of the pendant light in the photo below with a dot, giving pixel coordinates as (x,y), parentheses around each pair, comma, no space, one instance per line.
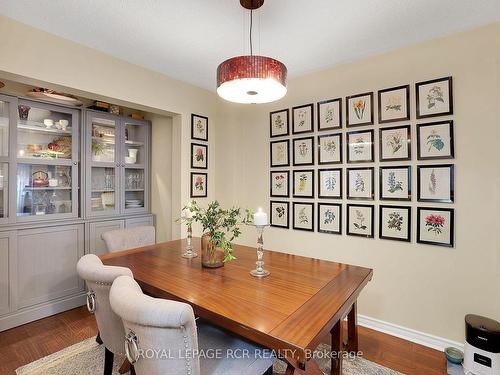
(249,78)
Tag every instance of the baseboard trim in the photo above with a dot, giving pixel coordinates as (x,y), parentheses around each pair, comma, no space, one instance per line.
(408,334)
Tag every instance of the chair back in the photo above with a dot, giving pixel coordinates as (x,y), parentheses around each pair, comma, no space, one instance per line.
(161,335)
(129,238)
(99,279)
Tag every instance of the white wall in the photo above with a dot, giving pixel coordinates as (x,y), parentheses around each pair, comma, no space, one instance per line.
(427,288)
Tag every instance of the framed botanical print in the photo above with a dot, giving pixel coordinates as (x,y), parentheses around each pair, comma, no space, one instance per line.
(303,151)
(330,114)
(280,153)
(303,183)
(359,109)
(199,156)
(360,183)
(395,183)
(302,119)
(279,184)
(435,226)
(360,147)
(278,123)
(360,220)
(395,223)
(303,216)
(395,143)
(280,214)
(199,185)
(394,104)
(330,218)
(330,149)
(435,140)
(330,183)
(435,183)
(199,127)
(434,97)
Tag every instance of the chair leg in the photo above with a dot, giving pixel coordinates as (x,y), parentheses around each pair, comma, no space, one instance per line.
(108,362)
(269,371)
(132,370)
(98,338)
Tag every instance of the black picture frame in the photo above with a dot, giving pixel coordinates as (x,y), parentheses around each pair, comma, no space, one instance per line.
(381,186)
(192,185)
(295,140)
(339,205)
(372,193)
(381,143)
(451,168)
(287,226)
(420,143)
(339,135)
(372,216)
(380,225)
(348,134)
(311,106)
(323,102)
(347,100)
(452,226)
(287,111)
(450,91)
(193,116)
(287,184)
(319,183)
(294,204)
(379,101)
(287,141)
(311,171)
(193,145)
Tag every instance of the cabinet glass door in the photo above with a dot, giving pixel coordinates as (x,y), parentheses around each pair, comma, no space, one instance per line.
(104,133)
(4,128)
(4,190)
(44,190)
(135,160)
(47,161)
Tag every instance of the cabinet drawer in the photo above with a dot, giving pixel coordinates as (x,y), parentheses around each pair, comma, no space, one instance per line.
(138,221)
(46,263)
(97,244)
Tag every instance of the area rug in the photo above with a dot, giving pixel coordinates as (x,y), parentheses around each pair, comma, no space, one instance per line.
(87,357)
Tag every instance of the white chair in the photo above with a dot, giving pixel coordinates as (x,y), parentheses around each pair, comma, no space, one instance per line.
(99,279)
(162,338)
(123,239)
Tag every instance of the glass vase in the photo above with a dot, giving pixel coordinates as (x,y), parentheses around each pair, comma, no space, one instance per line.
(211,255)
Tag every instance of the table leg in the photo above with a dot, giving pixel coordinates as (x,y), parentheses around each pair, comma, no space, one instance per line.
(337,347)
(352,329)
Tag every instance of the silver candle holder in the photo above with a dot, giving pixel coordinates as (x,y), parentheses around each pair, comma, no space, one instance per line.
(260,271)
(189,253)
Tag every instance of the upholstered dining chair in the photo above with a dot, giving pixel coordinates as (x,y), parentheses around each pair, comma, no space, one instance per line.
(123,239)
(162,338)
(99,279)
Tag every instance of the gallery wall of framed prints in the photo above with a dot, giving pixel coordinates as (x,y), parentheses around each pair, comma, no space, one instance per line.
(199,157)
(377,164)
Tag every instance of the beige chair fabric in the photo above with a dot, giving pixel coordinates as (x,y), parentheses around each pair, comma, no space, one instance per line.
(99,279)
(123,239)
(168,339)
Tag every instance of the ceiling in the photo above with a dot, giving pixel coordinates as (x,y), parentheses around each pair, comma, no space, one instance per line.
(187,39)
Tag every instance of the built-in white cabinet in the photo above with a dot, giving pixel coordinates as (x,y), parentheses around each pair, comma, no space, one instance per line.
(46,263)
(67,175)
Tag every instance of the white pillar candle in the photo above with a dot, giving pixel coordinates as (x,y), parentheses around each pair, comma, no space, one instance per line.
(260,217)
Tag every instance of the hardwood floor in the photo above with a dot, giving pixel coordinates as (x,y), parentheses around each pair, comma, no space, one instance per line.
(35,340)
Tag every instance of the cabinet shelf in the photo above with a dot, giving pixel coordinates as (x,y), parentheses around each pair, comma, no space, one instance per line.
(39,127)
(134,189)
(103,190)
(47,188)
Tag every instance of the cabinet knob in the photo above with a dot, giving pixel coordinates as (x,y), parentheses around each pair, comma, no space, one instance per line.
(75,163)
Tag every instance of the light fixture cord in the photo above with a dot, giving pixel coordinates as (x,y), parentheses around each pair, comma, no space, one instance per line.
(251,24)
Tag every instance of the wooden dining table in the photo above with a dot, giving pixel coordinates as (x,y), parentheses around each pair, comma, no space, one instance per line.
(290,311)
